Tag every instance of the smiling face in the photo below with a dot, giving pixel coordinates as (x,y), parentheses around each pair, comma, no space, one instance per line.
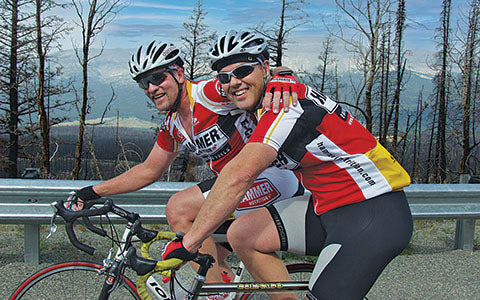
(247,91)
(164,94)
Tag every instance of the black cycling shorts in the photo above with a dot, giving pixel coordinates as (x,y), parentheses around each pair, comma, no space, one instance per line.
(354,243)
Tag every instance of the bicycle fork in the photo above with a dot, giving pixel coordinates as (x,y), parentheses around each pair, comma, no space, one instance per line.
(113,268)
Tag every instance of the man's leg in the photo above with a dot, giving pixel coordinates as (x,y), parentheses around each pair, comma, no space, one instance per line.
(254,238)
(181,210)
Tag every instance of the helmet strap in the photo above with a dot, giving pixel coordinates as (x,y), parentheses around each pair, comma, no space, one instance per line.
(179,95)
(265,82)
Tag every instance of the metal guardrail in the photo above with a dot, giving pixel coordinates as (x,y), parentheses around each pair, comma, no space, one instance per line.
(27,201)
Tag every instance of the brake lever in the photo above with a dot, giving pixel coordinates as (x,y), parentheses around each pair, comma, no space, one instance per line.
(53,226)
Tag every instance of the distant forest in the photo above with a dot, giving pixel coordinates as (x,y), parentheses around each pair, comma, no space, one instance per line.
(114,151)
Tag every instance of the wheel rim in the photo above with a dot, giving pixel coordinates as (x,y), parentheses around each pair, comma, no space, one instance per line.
(76,280)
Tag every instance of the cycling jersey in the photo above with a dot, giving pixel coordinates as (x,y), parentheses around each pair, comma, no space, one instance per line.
(331,153)
(220,130)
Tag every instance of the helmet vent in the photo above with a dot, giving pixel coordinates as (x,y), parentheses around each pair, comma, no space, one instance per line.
(259,41)
(139,54)
(149,48)
(232,44)
(245,34)
(222,43)
(172,54)
(159,52)
(214,51)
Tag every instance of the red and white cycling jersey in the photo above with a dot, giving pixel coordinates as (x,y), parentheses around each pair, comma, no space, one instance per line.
(331,153)
(220,130)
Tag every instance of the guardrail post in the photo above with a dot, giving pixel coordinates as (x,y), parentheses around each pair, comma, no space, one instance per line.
(465,229)
(32,244)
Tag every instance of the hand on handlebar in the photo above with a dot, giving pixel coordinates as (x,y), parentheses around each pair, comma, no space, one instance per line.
(175,249)
(70,211)
(75,200)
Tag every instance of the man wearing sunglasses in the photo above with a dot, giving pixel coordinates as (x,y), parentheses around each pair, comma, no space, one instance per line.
(356,219)
(203,121)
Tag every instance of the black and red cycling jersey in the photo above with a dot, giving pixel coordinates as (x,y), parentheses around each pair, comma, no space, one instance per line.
(331,153)
(220,129)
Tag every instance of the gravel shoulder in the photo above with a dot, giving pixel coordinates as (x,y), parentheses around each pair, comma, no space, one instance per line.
(428,269)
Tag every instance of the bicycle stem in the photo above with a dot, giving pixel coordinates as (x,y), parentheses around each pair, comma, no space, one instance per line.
(205,262)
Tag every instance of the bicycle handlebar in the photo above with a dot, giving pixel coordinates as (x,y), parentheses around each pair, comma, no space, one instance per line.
(144,265)
(71,216)
(145,235)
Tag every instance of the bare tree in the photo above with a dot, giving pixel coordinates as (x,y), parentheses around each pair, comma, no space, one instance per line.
(323,78)
(367,21)
(196,41)
(470,47)
(384,57)
(401,63)
(92,22)
(326,59)
(15,44)
(417,138)
(48,31)
(440,165)
(292,16)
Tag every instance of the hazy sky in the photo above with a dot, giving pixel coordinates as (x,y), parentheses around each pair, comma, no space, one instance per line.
(143,21)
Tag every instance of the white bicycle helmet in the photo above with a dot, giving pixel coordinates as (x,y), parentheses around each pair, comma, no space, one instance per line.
(152,56)
(236,47)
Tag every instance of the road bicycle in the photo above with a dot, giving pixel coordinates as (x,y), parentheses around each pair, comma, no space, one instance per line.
(88,280)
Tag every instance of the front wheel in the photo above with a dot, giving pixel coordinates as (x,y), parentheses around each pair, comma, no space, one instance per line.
(298,272)
(73,280)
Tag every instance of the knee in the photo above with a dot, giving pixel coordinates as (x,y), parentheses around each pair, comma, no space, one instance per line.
(177,210)
(242,235)
(172,207)
(237,235)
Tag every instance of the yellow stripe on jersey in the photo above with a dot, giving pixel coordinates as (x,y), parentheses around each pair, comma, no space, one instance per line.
(272,128)
(189,92)
(259,113)
(395,174)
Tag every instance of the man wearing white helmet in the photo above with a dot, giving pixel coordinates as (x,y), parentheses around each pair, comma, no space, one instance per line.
(356,219)
(201,120)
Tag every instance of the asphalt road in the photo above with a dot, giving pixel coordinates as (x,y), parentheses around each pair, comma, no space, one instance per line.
(428,269)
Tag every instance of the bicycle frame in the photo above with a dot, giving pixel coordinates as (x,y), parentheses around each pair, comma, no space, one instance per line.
(145,266)
(199,287)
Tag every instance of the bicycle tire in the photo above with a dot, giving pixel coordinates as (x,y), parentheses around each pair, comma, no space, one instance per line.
(72,280)
(298,272)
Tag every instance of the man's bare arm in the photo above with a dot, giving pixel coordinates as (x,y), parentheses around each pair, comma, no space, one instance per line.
(230,187)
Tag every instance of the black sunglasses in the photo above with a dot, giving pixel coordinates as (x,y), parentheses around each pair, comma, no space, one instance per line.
(239,72)
(155,78)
